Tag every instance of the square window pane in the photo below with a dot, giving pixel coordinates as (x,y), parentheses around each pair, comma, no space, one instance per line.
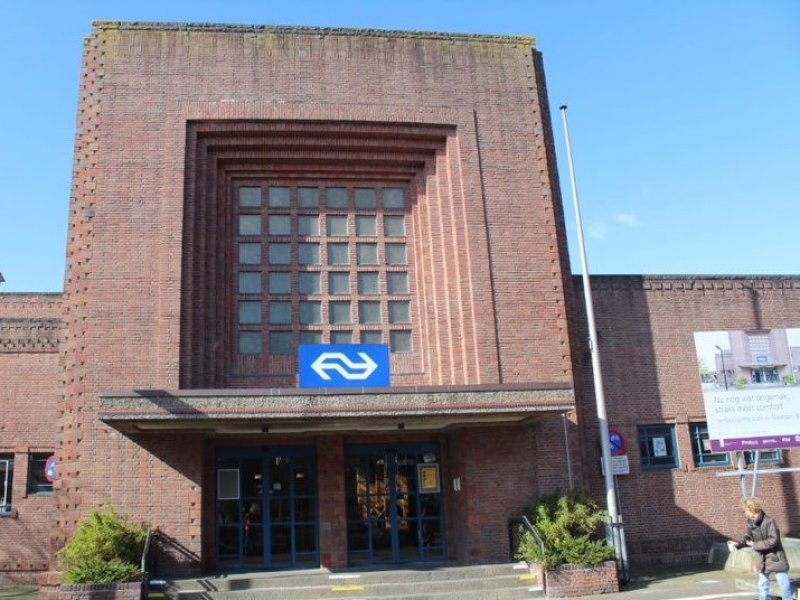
(371,337)
(37,480)
(308,254)
(393,198)
(338,254)
(309,283)
(396,254)
(339,312)
(364,198)
(280,313)
(280,254)
(366,225)
(368,284)
(397,283)
(280,283)
(338,283)
(249,282)
(399,312)
(308,225)
(249,254)
(336,225)
(400,341)
(307,197)
(367,254)
(249,224)
(310,337)
(279,225)
(249,313)
(250,197)
(341,337)
(279,197)
(249,342)
(336,197)
(369,311)
(310,313)
(280,342)
(394,226)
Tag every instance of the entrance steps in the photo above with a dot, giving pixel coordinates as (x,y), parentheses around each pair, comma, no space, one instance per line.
(507,581)
(744,564)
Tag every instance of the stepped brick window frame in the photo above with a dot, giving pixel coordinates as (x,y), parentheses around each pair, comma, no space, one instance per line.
(657,447)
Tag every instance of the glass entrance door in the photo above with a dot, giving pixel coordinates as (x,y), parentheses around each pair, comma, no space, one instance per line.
(266,508)
(394,504)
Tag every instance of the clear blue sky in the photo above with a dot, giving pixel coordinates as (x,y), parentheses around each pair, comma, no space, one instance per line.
(684,119)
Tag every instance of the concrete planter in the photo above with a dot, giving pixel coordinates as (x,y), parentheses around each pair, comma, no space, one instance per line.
(577,580)
(101,591)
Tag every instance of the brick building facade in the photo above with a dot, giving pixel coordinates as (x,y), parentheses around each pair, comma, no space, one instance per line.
(239,191)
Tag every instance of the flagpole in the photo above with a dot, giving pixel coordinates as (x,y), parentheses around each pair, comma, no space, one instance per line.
(605,444)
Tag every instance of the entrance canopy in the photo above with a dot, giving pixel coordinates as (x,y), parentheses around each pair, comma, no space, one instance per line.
(248,412)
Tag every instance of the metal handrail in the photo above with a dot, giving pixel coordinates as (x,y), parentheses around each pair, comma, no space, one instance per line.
(529,526)
(146,551)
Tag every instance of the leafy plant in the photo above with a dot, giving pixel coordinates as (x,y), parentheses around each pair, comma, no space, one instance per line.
(788,380)
(571,529)
(740,381)
(104,548)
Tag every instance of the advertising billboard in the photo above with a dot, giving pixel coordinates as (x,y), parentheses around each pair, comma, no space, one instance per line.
(750,388)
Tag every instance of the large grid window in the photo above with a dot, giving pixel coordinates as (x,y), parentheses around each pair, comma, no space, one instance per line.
(314,259)
(657,447)
(701,448)
(6,481)
(37,476)
(766,457)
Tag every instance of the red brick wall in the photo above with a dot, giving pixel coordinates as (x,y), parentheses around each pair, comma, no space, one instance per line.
(30,397)
(645,328)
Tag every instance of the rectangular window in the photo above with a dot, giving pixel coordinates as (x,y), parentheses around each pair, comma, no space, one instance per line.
(657,447)
(369,312)
(367,254)
(701,448)
(397,283)
(280,313)
(336,198)
(400,341)
(250,254)
(6,481)
(366,226)
(368,284)
(249,342)
(393,199)
(336,225)
(766,457)
(338,283)
(338,254)
(339,312)
(307,197)
(396,254)
(310,337)
(310,313)
(37,477)
(249,225)
(280,283)
(280,342)
(249,313)
(308,254)
(250,197)
(399,312)
(279,225)
(249,282)
(394,226)
(308,225)
(279,197)
(364,198)
(280,254)
(341,337)
(371,337)
(309,283)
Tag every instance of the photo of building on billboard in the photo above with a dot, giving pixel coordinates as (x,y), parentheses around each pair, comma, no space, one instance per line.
(750,388)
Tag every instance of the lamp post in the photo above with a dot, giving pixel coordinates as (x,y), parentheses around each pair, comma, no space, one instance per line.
(722,360)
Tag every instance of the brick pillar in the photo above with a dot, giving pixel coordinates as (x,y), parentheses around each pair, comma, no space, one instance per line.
(332,515)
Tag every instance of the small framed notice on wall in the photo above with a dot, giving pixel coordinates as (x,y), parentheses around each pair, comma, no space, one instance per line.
(428,477)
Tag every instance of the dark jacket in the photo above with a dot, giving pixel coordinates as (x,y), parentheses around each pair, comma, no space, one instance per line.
(766,538)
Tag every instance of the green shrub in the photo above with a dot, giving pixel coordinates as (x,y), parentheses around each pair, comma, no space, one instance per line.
(740,382)
(571,528)
(788,380)
(104,548)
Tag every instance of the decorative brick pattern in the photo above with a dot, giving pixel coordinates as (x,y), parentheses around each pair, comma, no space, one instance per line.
(569,581)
